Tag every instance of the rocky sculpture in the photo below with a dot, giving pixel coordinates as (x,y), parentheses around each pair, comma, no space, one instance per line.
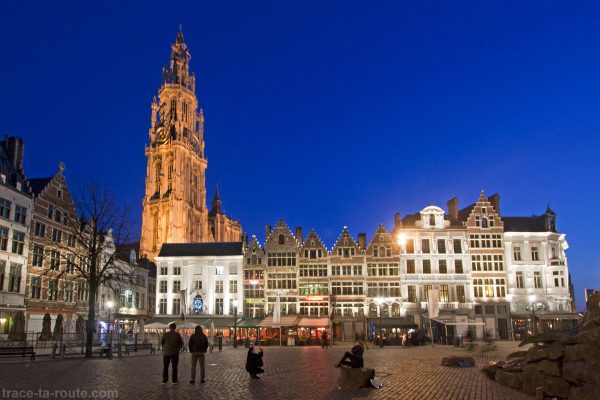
(563,365)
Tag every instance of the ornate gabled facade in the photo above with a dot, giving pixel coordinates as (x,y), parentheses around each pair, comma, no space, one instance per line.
(313,282)
(281,248)
(53,285)
(254,279)
(174,205)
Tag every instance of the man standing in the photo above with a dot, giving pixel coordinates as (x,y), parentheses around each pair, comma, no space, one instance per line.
(172,344)
(198,345)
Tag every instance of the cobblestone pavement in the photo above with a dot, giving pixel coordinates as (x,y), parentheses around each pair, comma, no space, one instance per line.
(291,373)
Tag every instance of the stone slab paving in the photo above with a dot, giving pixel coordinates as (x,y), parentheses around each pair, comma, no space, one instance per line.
(291,373)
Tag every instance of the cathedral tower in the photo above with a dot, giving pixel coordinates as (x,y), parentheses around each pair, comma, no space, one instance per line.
(174,205)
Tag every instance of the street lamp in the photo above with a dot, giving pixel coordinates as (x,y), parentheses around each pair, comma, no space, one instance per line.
(379,302)
(235,323)
(401,240)
(110,305)
(532,301)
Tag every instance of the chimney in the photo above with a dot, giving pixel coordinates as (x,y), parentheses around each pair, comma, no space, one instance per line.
(14,148)
(453,207)
(267,231)
(362,241)
(397,220)
(299,235)
(495,200)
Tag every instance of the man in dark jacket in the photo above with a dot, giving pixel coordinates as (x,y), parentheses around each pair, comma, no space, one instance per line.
(198,345)
(172,344)
(254,363)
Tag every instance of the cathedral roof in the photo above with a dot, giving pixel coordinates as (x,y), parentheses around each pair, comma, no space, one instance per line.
(201,249)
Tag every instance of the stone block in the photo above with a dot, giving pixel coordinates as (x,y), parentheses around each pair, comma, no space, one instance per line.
(510,379)
(548,367)
(556,387)
(589,336)
(490,371)
(532,378)
(585,392)
(354,378)
(583,351)
(514,364)
(582,372)
(537,353)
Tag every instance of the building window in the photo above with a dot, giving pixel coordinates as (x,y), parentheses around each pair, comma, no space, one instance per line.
(2,274)
(198,285)
(219,270)
(164,271)
(535,255)
(441,246)
(3,238)
(426,266)
(458,266)
(37,258)
(52,289)
(18,242)
(431,220)
(4,208)
(426,289)
(162,287)
(56,235)
(425,246)
(68,291)
(58,216)
(281,239)
(219,306)
(444,293)
(162,306)
(232,269)
(517,253)
(176,306)
(443,267)
(520,283)
(218,286)
(14,278)
(176,287)
(410,246)
(460,294)
(40,229)
(71,240)
(457,246)
(412,294)
(559,278)
(54,259)
(537,280)
(35,287)
(20,214)
(70,268)
(484,222)
(410,266)
(233,288)
(176,270)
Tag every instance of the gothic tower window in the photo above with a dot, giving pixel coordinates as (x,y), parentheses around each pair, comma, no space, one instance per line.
(174,107)
(170,176)
(157,176)
(281,239)
(154,231)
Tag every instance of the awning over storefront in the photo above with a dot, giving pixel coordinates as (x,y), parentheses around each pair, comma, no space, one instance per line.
(223,322)
(156,325)
(249,323)
(558,316)
(394,323)
(314,322)
(287,320)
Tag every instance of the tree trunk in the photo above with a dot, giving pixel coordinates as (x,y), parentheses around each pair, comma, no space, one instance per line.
(91,322)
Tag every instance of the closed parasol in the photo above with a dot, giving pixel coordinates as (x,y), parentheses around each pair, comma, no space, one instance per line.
(17,330)
(46,328)
(59,325)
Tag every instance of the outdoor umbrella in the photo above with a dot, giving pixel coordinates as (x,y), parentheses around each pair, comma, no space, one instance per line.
(46,328)
(156,325)
(58,325)
(212,332)
(141,326)
(69,326)
(17,330)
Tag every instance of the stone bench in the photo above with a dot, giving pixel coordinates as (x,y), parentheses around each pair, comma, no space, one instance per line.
(355,378)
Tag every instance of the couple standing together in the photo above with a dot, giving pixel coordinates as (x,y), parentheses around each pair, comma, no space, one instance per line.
(198,345)
(173,343)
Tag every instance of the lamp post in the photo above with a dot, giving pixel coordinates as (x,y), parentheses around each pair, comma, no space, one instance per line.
(532,301)
(379,302)
(235,323)
(109,304)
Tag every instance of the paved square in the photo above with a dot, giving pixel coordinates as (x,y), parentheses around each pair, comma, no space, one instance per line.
(291,373)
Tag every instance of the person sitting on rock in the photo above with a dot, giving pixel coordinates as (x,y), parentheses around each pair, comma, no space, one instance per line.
(353,358)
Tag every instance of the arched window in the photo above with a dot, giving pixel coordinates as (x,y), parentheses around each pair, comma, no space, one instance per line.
(281,239)
(174,106)
(431,220)
(372,310)
(484,222)
(381,251)
(157,176)
(154,231)
(170,176)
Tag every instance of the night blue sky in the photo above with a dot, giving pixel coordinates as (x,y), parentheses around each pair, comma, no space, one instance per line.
(325,113)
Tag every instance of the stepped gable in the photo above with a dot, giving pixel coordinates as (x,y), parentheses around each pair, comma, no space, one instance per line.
(280,235)
(382,238)
(345,241)
(254,248)
(313,242)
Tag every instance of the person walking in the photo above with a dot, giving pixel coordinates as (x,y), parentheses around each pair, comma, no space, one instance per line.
(198,344)
(324,340)
(172,344)
(254,363)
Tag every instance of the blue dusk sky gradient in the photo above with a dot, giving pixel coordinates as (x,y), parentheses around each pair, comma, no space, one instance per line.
(325,113)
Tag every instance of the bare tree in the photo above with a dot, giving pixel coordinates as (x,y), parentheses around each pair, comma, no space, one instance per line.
(103,223)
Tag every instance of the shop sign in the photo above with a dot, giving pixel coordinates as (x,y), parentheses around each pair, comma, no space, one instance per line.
(255,300)
(314,298)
